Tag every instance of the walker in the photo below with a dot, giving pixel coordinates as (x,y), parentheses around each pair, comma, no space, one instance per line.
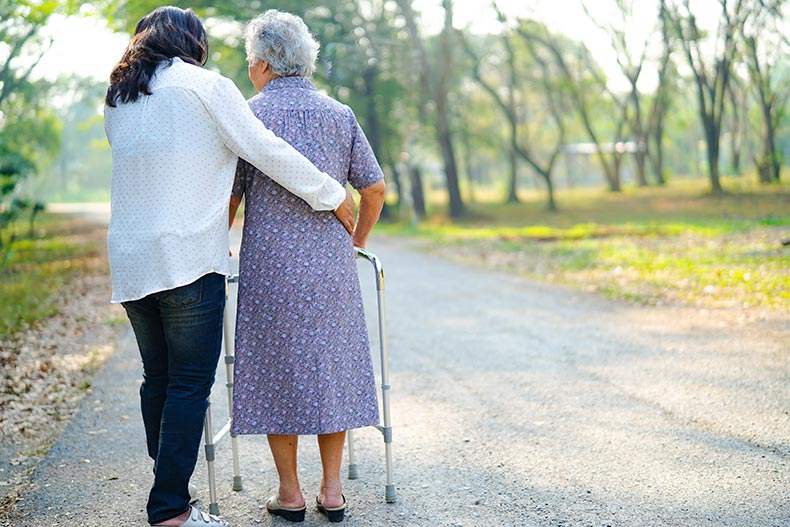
(212,439)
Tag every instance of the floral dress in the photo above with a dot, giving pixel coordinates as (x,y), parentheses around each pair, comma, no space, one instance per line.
(303,361)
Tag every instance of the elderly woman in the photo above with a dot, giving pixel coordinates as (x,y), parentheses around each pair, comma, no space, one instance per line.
(302,356)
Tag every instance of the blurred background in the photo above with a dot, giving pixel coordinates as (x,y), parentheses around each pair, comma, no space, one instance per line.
(462,101)
(637,150)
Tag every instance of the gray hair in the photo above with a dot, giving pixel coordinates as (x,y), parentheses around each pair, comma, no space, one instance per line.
(283,41)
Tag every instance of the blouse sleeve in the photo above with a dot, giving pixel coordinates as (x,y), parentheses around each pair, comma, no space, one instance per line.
(363,170)
(249,139)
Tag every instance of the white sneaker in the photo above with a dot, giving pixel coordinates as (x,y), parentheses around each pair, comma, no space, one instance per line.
(198,518)
(193,497)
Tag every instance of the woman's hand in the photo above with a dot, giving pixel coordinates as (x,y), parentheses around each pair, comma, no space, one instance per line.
(345,212)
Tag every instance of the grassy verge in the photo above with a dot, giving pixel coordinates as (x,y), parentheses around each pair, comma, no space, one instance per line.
(659,245)
(32,269)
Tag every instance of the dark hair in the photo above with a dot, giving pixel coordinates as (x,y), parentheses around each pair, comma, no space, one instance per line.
(162,34)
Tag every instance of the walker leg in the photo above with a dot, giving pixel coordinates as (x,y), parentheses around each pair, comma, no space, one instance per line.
(353,473)
(229,360)
(213,506)
(234,446)
(386,429)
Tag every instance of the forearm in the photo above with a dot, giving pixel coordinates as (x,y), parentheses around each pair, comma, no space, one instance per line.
(249,139)
(370,205)
(235,201)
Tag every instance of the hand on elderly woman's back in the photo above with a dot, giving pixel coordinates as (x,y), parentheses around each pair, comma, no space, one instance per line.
(345,212)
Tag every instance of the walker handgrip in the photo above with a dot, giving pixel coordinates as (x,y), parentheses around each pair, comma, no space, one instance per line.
(372,258)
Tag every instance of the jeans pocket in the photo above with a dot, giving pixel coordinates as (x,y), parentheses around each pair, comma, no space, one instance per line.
(186,295)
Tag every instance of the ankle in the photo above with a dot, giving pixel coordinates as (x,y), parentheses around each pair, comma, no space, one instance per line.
(331,493)
(290,496)
(174,522)
(331,483)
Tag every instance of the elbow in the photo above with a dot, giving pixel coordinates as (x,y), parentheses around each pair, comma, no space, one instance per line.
(375,191)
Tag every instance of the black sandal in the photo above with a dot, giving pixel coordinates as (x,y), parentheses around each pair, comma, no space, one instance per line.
(333,514)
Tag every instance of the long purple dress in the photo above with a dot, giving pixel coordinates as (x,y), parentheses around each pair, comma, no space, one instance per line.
(302,354)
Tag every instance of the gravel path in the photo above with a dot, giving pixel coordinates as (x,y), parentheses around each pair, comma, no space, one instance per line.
(514,404)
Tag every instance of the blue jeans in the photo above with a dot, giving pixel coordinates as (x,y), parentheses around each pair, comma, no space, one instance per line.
(179,333)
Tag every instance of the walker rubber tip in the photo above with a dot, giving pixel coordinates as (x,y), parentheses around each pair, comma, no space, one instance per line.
(389,494)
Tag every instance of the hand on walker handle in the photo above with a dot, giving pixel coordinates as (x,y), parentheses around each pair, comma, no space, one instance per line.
(345,212)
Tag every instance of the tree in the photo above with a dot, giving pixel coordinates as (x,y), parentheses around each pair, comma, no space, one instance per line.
(26,143)
(28,130)
(512,96)
(435,88)
(765,48)
(506,101)
(662,98)
(631,63)
(712,76)
(582,79)
(360,62)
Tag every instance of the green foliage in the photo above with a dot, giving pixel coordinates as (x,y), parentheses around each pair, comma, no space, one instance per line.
(29,131)
(34,269)
(368,61)
(26,143)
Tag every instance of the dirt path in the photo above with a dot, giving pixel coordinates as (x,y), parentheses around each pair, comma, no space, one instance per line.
(514,403)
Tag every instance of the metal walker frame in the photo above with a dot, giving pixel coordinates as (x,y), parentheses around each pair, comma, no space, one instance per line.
(211,439)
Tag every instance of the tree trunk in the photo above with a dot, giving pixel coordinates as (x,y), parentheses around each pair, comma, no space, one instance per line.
(764,172)
(661,101)
(614,179)
(658,160)
(512,187)
(443,131)
(735,148)
(373,130)
(417,194)
(552,205)
(775,164)
(396,178)
(735,133)
(468,162)
(713,161)
(450,167)
(641,162)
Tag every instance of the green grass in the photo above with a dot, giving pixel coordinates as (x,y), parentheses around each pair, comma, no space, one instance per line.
(677,244)
(32,270)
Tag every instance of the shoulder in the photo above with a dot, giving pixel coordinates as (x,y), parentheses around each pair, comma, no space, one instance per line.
(258,100)
(333,105)
(179,74)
